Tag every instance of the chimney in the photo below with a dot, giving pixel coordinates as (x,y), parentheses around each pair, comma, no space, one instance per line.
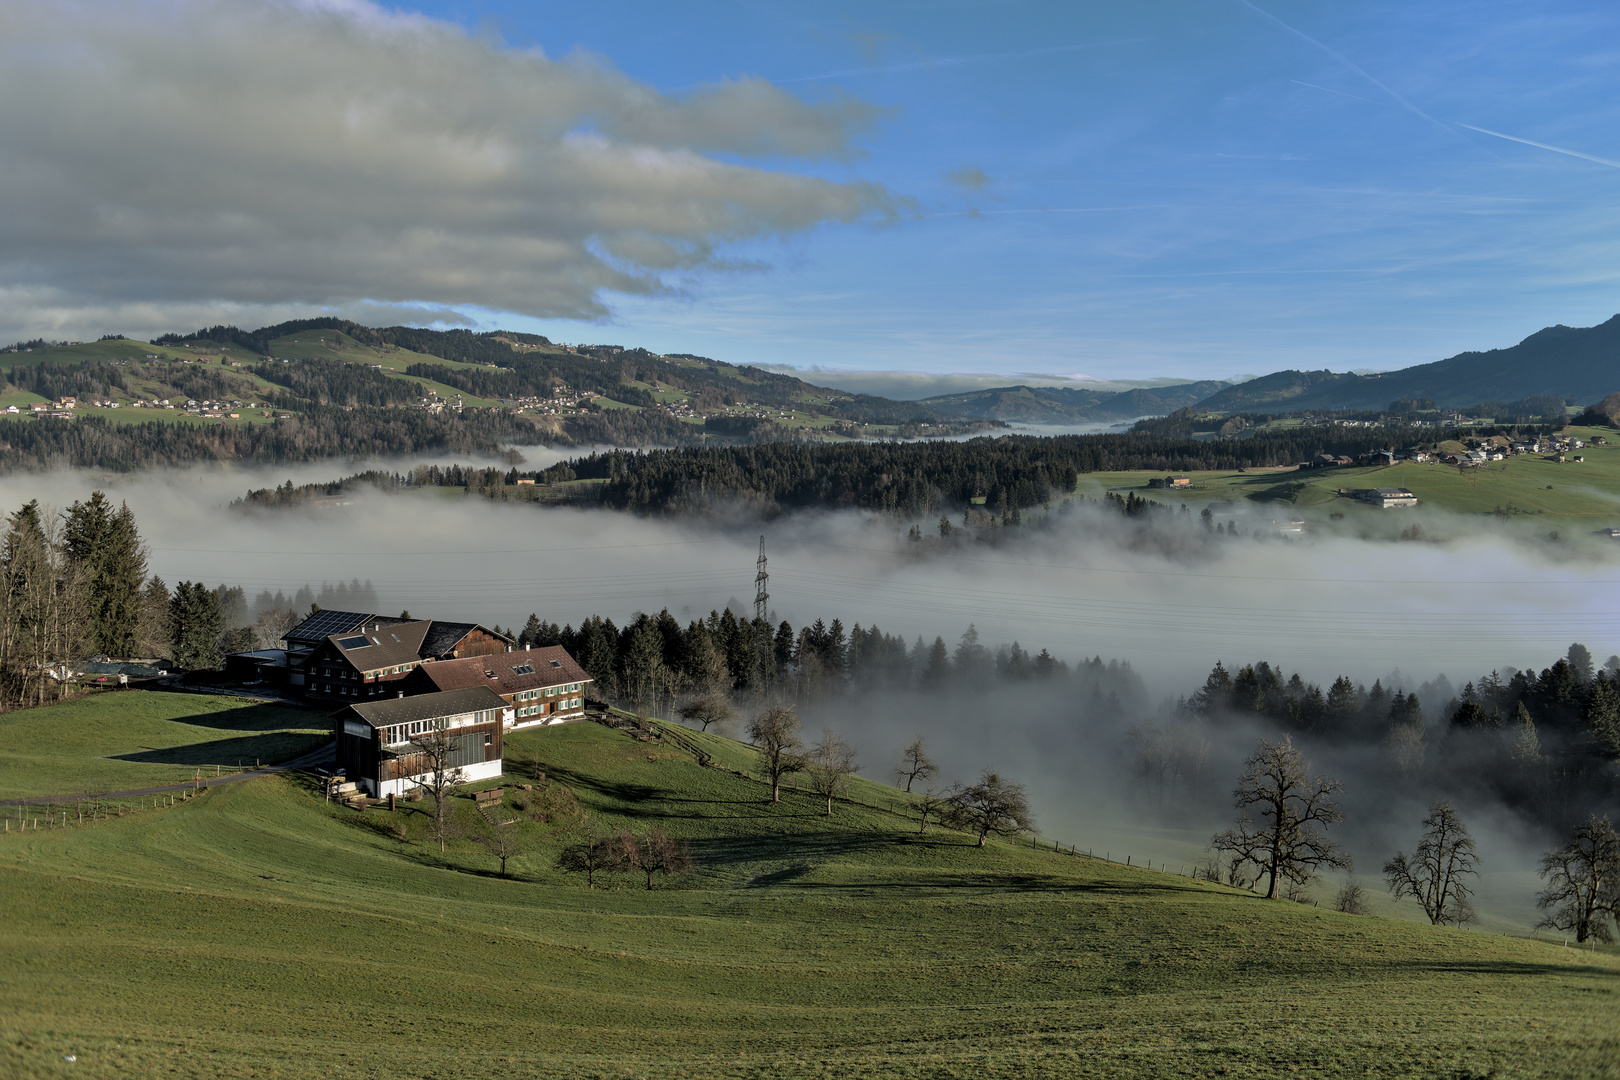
(400,694)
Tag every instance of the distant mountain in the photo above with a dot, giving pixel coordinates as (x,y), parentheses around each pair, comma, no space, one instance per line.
(1070,405)
(1582,363)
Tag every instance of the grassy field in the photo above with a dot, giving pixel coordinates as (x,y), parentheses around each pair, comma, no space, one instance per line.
(260,931)
(1583,495)
(144,738)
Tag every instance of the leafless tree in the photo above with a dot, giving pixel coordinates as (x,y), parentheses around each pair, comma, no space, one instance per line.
(706,709)
(657,853)
(1290,842)
(932,804)
(776,732)
(434,774)
(993,806)
(1162,756)
(915,764)
(1351,898)
(502,837)
(1583,882)
(1435,872)
(595,852)
(830,763)
(1406,747)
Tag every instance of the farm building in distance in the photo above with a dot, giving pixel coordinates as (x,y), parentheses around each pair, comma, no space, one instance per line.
(379,743)
(1387,498)
(1170,482)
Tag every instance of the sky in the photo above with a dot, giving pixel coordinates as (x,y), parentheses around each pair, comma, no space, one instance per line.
(1161,189)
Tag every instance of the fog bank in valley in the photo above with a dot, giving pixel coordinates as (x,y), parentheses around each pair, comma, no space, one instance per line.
(1086,583)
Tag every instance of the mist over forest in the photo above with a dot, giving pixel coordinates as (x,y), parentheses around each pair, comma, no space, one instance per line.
(1147,610)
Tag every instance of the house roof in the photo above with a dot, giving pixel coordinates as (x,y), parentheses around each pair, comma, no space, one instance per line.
(442,639)
(396,643)
(407,710)
(323,624)
(1391,493)
(507,673)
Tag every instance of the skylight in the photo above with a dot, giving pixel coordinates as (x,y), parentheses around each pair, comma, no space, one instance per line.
(523,669)
(359,642)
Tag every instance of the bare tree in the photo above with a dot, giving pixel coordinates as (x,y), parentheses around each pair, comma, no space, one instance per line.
(830,764)
(1162,756)
(503,838)
(776,732)
(1290,841)
(706,709)
(1351,898)
(915,764)
(657,853)
(435,774)
(595,853)
(932,804)
(1435,872)
(993,806)
(1583,882)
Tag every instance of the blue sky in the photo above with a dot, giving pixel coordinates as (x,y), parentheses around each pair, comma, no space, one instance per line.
(1121,191)
(1195,189)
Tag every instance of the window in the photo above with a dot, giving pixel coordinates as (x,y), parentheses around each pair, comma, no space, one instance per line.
(488,738)
(523,669)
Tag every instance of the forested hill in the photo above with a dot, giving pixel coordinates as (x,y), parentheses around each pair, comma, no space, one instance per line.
(1581,364)
(591,394)
(1010,472)
(1071,405)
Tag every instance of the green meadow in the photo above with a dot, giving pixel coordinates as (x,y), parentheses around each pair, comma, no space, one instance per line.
(260,931)
(125,739)
(1574,495)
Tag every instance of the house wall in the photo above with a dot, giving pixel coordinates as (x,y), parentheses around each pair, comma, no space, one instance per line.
(478,643)
(383,776)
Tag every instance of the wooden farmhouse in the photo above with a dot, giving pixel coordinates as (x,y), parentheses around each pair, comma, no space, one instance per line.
(364,660)
(543,686)
(379,743)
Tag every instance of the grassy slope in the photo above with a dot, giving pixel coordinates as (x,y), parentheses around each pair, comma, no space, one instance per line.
(140,738)
(1582,496)
(257,931)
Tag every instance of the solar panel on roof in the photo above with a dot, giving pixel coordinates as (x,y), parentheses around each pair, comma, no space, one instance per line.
(325,623)
(359,642)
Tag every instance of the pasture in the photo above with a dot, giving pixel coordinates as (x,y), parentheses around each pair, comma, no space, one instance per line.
(259,931)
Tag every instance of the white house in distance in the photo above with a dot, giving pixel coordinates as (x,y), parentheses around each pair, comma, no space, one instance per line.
(374,738)
(1387,498)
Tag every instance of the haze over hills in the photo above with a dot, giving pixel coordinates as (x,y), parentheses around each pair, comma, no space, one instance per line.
(1066,404)
(1579,363)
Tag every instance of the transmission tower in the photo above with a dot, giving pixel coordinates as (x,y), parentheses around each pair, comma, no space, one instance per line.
(761,581)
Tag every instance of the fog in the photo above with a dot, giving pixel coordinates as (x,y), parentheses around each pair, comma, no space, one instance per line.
(1170,600)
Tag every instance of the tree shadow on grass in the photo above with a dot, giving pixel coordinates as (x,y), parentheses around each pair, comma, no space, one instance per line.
(253,718)
(265,749)
(1511,967)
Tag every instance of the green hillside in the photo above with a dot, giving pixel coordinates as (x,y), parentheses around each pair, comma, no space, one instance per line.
(1580,363)
(260,931)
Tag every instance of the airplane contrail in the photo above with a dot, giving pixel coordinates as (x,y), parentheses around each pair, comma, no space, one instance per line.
(1347,62)
(1543,146)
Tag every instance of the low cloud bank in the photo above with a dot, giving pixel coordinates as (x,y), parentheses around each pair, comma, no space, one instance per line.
(1086,583)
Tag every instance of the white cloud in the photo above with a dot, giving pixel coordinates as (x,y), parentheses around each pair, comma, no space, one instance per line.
(218,155)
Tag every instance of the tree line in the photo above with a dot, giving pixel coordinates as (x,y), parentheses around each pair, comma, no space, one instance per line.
(318,432)
(1545,743)
(1012,472)
(653,663)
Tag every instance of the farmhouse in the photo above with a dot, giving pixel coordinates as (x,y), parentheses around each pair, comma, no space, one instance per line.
(542,686)
(1170,482)
(344,655)
(1387,498)
(380,744)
